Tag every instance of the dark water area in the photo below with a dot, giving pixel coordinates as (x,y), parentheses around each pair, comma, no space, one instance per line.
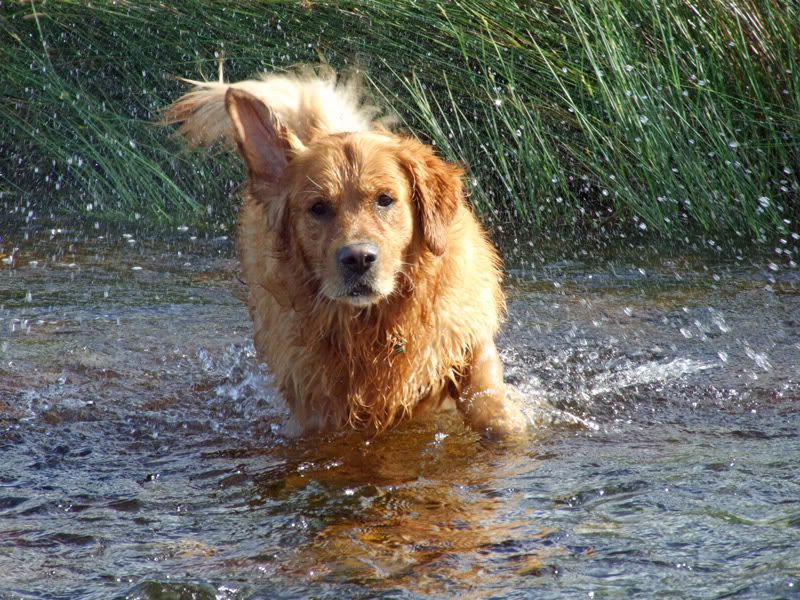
(142,454)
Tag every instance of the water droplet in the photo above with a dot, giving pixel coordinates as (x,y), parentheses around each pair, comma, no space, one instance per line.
(643,119)
(764,201)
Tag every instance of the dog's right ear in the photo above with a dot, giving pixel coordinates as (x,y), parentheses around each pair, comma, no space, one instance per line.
(264,143)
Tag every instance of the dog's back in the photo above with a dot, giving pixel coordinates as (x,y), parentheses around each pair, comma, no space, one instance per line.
(308,103)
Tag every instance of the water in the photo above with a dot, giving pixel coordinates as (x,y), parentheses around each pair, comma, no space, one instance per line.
(142,454)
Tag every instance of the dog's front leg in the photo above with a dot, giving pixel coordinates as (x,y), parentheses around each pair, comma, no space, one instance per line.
(483,401)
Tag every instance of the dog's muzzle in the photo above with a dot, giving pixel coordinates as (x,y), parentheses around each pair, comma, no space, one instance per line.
(356,265)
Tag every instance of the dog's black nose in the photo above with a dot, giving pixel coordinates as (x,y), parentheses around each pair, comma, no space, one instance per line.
(357,258)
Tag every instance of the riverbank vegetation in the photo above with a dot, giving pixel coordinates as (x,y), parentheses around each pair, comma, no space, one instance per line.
(665,119)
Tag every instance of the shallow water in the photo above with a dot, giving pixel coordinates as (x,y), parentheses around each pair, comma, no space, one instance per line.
(142,454)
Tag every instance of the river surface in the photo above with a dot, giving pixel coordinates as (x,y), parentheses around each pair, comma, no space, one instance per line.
(142,454)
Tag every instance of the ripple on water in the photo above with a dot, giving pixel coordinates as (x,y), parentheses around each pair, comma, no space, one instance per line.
(143,458)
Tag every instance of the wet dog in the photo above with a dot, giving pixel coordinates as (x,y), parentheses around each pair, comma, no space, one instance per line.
(374,292)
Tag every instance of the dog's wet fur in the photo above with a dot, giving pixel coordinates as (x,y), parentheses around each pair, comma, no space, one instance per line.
(374,292)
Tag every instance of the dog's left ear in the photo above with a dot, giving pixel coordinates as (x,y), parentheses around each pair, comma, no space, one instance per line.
(437,192)
(264,143)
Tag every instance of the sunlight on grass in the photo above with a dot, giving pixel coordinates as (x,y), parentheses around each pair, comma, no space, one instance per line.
(675,119)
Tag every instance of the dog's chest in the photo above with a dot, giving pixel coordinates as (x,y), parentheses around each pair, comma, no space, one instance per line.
(381,378)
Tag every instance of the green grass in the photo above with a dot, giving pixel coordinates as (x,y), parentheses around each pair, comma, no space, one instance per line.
(659,119)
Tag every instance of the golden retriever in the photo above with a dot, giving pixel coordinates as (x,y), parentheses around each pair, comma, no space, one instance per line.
(374,292)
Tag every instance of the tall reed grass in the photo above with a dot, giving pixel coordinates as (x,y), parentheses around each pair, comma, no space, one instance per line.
(675,119)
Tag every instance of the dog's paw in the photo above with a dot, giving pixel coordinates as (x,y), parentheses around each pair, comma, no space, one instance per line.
(512,425)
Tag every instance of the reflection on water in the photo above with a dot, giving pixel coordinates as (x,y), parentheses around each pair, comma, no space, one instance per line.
(404,511)
(143,458)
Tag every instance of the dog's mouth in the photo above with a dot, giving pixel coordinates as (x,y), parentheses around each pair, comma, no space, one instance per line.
(360,294)
(360,290)
(357,291)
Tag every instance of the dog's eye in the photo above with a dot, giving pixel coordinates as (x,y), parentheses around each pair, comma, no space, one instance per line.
(321,209)
(385,200)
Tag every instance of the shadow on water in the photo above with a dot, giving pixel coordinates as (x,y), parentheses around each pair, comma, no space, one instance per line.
(143,457)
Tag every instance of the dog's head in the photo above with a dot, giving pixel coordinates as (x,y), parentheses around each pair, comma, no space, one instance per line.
(359,208)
